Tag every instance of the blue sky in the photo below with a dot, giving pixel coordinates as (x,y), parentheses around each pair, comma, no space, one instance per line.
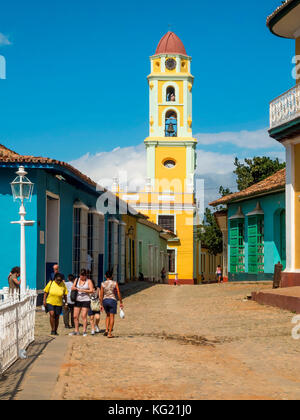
(76,72)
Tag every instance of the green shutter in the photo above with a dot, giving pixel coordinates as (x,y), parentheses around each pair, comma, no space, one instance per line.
(237,246)
(256,244)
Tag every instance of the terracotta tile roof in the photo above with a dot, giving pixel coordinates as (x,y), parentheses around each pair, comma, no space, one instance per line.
(279,8)
(170,43)
(5,152)
(275,182)
(9,156)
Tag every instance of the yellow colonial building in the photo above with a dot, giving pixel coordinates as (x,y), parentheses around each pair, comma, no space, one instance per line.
(168,198)
(285,128)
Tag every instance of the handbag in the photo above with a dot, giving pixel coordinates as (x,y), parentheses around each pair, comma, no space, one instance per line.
(46,307)
(95,304)
(74,293)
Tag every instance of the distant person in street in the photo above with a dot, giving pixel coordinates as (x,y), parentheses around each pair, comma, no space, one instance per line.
(55,296)
(219,274)
(84,287)
(13,280)
(108,301)
(163,275)
(141,277)
(202,278)
(95,314)
(69,309)
(55,271)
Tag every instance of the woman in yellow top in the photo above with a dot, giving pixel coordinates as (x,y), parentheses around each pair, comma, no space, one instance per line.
(55,296)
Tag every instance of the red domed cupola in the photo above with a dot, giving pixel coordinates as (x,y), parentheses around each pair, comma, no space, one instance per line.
(170,44)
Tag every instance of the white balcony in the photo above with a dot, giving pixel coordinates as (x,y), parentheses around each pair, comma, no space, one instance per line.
(285,108)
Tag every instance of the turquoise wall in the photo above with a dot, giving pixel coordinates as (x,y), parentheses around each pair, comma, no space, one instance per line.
(10,234)
(272,205)
(69,192)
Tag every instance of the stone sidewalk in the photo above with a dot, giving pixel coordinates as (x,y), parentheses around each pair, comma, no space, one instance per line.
(186,342)
(284,298)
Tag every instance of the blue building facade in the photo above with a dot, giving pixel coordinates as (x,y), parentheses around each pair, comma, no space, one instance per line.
(69,229)
(255,235)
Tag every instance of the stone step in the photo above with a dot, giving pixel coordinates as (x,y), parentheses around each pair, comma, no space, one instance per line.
(283,298)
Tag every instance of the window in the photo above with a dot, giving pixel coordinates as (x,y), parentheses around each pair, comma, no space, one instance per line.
(110,245)
(172,260)
(237,246)
(170,93)
(90,243)
(167,222)
(203,261)
(171,124)
(169,164)
(140,257)
(76,241)
(256,244)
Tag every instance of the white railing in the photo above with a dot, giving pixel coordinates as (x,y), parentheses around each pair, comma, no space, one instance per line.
(17,319)
(285,108)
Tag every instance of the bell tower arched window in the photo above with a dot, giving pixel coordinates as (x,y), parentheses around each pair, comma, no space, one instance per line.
(171,124)
(170,94)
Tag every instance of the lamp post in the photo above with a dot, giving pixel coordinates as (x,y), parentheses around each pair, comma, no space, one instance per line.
(22,190)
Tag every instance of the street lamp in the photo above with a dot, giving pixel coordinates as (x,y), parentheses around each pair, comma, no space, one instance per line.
(22,190)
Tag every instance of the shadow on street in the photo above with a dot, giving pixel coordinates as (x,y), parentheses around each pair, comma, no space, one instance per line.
(134,287)
(11,380)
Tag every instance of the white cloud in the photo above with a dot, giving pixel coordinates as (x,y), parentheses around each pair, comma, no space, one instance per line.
(258,139)
(129,164)
(103,167)
(214,163)
(4,40)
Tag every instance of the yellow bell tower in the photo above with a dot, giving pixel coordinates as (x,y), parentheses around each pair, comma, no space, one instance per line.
(171,156)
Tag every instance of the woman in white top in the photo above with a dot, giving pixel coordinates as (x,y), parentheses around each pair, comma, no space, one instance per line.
(85,288)
(108,301)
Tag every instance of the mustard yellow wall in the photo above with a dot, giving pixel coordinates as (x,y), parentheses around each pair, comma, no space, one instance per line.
(297,206)
(161,83)
(184,66)
(184,230)
(298,53)
(157,65)
(178,172)
(130,221)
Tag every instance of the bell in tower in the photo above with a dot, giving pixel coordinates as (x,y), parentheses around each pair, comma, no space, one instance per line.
(171,124)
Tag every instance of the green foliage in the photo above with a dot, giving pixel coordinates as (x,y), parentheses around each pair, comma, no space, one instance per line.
(224,191)
(255,170)
(210,234)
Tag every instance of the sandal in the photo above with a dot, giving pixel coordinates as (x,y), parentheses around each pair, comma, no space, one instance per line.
(105,334)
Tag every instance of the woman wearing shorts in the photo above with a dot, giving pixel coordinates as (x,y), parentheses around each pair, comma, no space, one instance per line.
(108,301)
(85,288)
(55,296)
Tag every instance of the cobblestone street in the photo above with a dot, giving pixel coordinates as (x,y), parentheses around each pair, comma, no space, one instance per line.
(187,342)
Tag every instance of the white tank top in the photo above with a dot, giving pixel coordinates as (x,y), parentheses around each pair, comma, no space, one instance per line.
(83,297)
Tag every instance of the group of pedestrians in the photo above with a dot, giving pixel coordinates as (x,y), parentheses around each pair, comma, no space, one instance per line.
(81,297)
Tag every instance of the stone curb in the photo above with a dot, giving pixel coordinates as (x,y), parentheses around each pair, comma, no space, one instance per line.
(40,382)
